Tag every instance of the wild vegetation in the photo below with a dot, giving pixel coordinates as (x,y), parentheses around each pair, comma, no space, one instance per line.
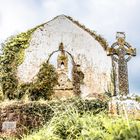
(32,116)
(42,86)
(72,125)
(72,119)
(137,98)
(12,56)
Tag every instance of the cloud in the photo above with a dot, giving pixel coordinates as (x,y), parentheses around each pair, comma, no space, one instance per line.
(16,16)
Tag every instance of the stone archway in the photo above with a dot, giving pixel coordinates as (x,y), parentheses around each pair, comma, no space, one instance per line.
(67,87)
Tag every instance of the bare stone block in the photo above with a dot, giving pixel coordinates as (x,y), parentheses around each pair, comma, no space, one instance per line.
(9,126)
(124,107)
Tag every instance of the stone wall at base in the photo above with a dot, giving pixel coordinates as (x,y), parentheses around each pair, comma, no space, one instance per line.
(127,108)
(63,94)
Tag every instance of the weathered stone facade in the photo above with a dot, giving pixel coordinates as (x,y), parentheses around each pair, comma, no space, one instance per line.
(86,50)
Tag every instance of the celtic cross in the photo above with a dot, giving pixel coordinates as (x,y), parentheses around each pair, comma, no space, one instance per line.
(121,52)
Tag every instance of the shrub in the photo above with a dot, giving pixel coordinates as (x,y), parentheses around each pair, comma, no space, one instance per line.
(138,98)
(33,115)
(46,80)
(43,85)
(12,56)
(72,125)
(29,116)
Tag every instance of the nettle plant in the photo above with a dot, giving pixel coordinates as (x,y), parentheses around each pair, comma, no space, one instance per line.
(12,56)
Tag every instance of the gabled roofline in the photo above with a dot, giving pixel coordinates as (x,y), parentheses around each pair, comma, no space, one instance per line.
(96,36)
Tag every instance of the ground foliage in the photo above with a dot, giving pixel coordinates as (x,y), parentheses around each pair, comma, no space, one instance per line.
(71,119)
(137,98)
(72,126)
(34,115)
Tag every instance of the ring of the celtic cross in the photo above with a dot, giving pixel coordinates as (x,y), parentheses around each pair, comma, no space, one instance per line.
(126,47)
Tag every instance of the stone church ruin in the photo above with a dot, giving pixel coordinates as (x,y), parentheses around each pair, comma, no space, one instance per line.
(79,56)
(77,47)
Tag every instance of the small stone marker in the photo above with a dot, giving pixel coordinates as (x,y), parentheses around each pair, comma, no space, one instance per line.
(9,126)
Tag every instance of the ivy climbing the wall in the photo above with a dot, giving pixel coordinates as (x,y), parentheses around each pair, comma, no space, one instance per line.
(12,56)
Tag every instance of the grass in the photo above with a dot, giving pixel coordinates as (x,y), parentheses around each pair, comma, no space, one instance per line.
(77,119)
(33,115)
(70,125)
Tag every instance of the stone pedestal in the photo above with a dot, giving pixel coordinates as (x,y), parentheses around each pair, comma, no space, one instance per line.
(63,94)
(124,106)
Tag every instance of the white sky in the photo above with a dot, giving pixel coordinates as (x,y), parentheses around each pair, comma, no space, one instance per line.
(104,16)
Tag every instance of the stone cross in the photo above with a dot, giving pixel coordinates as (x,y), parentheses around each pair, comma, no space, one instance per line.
(121,53)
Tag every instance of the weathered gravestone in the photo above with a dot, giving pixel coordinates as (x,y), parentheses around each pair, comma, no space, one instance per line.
(9,127)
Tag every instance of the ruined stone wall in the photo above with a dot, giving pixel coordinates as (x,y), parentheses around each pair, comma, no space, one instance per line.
(87,52)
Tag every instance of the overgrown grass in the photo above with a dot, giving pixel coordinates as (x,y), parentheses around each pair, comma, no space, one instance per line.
(74,119)
(70,125)
(31,116)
